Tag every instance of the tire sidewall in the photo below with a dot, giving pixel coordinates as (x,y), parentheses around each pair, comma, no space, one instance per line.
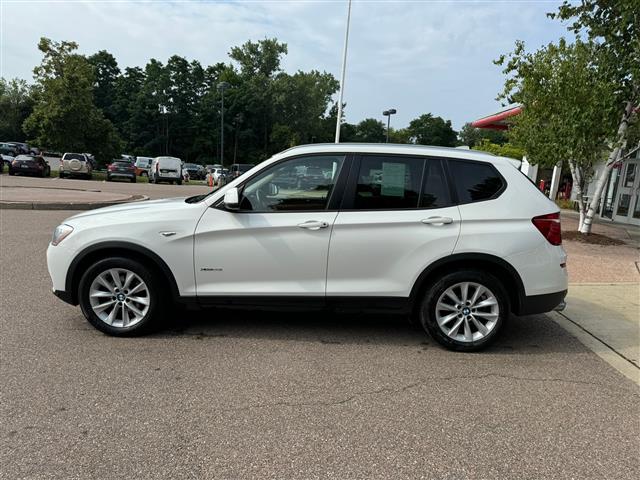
(153,317)
(427,312)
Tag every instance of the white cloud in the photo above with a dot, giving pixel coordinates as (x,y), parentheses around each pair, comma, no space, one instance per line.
(415,56)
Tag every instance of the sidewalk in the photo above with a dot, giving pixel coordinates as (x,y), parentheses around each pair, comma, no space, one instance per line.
(606,318)
(603,303)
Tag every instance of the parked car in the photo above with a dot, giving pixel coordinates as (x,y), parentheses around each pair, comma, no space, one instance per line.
(143,164)
(5,160)
(196,172)
(29,165)
(121,169)
(9,149)
(218,172)
(21,148)
(75,165)
(166,169)
(238,169)
(459,239)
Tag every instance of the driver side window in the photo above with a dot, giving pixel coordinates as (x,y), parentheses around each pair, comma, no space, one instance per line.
(303,183)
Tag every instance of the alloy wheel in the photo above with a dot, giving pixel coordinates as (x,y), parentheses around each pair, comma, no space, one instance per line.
(467,312)
(119,297)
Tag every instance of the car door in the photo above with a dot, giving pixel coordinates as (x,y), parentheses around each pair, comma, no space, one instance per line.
(277,243)
(396,218)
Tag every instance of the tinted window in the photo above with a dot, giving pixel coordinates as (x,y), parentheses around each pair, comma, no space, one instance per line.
(388,183)
(475,182)
(435,192)
(298,184)
(74,156)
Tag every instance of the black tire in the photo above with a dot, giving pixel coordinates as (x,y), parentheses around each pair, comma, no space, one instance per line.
(47,172)
(153,319)
(179,182)
(108,178)
(11,172)
(133,180)
(428,314)
(61,175)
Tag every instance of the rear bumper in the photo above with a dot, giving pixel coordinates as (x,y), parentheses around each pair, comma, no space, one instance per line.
(65,297)
(533,304)
(121,175)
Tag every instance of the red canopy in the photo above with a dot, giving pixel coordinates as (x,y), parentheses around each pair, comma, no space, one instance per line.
(497,121)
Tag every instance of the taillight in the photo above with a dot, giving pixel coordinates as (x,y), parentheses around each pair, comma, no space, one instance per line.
(111,166)
(549,227)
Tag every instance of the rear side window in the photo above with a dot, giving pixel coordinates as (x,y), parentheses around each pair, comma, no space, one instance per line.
(388,183)
(475,181)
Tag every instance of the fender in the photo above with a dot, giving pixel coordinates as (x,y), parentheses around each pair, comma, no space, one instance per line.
(122,246)
(470,258)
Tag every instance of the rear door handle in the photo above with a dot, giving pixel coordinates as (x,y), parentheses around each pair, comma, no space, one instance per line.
(313,225)
(437,220)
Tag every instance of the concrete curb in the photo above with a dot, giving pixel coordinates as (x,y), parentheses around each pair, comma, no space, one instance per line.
(9,205)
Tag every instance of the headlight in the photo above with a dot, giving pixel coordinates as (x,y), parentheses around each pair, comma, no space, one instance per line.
(60,233)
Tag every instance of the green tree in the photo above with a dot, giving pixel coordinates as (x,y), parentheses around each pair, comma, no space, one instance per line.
(106,72)
(64,117)
(570,108)
(430,130)
(16,104)
(471,136)
(614,28)
(370,130)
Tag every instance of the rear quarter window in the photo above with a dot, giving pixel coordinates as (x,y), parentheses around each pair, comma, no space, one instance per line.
(475,181)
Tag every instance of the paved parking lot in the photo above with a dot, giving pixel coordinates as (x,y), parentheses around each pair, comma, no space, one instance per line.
(226,394)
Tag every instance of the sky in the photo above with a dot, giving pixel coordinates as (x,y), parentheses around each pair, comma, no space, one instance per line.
(414,56)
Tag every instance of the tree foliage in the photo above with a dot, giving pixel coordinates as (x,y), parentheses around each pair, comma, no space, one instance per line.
(430,130)
(471,136)
(16,104)
(64,116)
(174,107)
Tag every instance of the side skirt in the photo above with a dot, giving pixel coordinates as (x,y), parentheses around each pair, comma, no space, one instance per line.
(396,305)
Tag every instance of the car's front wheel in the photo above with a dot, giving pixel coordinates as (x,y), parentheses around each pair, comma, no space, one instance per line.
(465,310)
(121,297)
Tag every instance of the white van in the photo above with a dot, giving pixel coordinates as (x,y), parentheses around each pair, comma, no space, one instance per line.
(166,169)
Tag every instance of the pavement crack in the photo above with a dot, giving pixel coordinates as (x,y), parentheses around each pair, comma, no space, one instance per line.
(402,389)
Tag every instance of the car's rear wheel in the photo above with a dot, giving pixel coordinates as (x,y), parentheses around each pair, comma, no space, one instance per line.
(465,310)
(179,182)
(133,179)
(121,297)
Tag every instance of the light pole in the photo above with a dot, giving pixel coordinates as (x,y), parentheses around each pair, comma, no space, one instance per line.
(222,86)
(388,113)
(344,67)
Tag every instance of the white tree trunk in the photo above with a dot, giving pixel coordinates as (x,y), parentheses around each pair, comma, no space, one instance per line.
(576,174)
(615,154)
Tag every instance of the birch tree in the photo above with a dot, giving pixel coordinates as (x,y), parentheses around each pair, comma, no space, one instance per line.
(580,98)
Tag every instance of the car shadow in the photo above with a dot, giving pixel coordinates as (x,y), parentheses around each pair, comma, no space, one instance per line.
(534,334)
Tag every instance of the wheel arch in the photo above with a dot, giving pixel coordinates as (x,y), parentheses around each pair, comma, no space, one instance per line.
(497,266)
(103,250)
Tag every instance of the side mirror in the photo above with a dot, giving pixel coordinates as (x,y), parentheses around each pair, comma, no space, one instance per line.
(231,199)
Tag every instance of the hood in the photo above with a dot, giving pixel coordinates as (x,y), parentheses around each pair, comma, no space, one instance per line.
(141,207)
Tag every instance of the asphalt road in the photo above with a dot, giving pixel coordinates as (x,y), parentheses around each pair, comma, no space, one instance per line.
(252,395)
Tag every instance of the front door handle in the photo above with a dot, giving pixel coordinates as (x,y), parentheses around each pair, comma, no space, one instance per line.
(437,220)
(313,225)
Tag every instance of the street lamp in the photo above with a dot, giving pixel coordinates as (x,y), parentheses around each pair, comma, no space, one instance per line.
(222,86)
(388,113)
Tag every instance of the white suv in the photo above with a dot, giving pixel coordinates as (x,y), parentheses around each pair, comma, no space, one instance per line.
(457,238)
